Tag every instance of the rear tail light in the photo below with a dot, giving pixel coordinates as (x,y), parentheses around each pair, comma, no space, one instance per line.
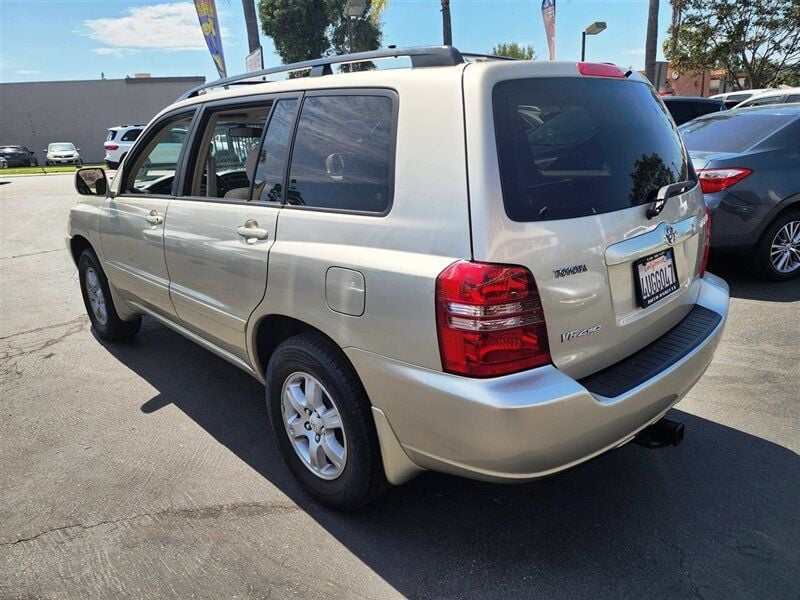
(716,180)
(111,146)
(706,244)
(490,320)
(599,70)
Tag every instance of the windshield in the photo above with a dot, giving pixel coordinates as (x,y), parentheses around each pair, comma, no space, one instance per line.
(61,148)
(10,149)
(731,131)
(571,147)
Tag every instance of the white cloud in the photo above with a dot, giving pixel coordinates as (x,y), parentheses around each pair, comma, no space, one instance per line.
(634,52)
(118,52)
(28,72)
(171,27)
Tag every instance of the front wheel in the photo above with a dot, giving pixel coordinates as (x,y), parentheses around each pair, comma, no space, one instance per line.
(98,302)
(322,422)
(777,254)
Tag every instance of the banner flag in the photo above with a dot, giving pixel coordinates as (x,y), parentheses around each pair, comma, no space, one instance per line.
(207,14)
(549,18)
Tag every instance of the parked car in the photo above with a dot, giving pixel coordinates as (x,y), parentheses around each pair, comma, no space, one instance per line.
(3,163)
(731,99)
(62,153)
(686,108)
(503,300)
(119,140)
(782,96)
(748,161)
(18,156)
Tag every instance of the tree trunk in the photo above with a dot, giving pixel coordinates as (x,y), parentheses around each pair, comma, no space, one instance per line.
(251,21)
(651,43)
(447,32)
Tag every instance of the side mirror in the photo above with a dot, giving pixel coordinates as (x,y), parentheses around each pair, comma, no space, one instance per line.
(91,182)
(78,149)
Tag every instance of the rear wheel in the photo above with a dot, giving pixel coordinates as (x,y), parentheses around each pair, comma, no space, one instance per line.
(98,302)
(777,254)
(322,422)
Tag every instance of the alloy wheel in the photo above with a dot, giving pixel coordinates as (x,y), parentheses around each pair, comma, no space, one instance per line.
(97,300)
(314,425)
(785,248)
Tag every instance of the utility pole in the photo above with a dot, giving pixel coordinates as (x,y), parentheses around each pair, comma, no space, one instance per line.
(447,31)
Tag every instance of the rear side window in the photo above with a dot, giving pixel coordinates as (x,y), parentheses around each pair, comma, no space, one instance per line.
(793,98)
(111,135)
(572,147)
(731,132)
(343,153)
(131,135)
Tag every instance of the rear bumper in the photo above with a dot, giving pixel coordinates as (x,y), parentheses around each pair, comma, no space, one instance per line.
(526,425)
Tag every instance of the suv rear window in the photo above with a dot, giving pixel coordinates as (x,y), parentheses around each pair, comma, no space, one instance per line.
(111,135)
(572,147)
(731,132)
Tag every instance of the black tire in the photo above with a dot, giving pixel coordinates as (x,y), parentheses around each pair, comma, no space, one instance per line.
(114,328)
(362,478)
(112,165)
(761,259)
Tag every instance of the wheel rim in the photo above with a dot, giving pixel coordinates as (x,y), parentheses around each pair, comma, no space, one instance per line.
(785,249)
(314,425)
(97,300)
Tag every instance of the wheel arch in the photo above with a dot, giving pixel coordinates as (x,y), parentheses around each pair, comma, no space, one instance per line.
(791,203)
(77,245)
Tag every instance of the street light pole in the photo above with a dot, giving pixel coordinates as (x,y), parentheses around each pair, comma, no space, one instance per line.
(592,29)
(353,9)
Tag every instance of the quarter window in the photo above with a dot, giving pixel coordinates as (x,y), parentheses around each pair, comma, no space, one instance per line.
(153,170)
(343,153)
(131,135)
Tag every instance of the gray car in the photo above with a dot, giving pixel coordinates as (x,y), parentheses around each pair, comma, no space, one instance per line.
(748,163)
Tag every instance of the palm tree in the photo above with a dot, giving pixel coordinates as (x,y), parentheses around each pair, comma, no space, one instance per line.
(251,21)
(651,43)
(378,6)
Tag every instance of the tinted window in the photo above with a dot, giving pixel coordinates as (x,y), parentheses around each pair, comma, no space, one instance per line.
(343,152)
(731,132)
(272,159)
(704,108)
(580,146)
(111,135)
(681,112)
(765,101)
(793,98)
(131,135)
(153,169)
(227,152)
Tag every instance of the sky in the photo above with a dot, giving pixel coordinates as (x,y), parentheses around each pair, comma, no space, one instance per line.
(46,40)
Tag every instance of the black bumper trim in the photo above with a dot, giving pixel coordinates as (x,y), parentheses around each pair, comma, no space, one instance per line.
(656,357)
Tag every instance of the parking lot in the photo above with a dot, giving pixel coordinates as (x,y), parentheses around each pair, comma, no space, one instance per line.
(147,468)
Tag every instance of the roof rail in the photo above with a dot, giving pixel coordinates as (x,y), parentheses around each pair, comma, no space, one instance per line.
(421,56)
(486,57)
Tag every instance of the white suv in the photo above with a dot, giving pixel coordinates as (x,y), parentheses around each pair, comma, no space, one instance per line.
(119,140)
(494,269)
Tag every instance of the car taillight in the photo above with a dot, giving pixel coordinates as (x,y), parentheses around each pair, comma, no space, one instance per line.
(111,146)
(716,180)
(599,70)
(490,320)
(706,244)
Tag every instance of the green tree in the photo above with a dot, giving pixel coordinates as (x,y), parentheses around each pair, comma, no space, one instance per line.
(759,37)
(514,50)
(307,29)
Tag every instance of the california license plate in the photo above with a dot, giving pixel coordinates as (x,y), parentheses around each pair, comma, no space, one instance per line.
(655,277)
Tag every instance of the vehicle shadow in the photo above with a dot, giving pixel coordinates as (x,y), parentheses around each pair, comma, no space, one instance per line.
(748,287)
(716,517)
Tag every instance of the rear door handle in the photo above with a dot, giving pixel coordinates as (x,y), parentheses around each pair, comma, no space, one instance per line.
(154,218)
(251,231)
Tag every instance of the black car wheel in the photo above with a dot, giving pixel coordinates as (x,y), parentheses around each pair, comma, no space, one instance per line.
(777,254)
(322,422)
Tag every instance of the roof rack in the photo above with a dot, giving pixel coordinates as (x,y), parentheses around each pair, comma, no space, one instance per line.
(421,56)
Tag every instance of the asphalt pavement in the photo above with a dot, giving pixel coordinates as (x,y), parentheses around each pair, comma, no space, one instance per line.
(146,469)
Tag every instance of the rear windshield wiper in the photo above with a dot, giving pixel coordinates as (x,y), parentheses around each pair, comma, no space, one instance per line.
(664,194)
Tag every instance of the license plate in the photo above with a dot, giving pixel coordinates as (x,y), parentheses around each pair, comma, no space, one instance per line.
(655,277)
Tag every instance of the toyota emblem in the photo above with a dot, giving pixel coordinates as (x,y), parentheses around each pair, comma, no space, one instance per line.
(670,235)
